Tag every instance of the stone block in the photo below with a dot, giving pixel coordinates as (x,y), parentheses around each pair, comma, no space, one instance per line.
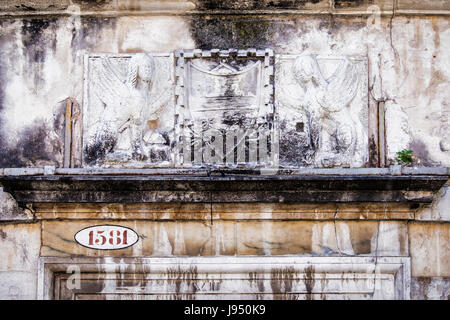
(429,249)
(18,285)
(19,247)
(423,4)
(322,238)
(181,238)
(439,209)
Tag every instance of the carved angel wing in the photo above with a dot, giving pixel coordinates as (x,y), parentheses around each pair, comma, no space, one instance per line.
(161,90)
(341,87)
(107,84)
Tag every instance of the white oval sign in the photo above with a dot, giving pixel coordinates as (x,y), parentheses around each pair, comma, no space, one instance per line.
(106,237)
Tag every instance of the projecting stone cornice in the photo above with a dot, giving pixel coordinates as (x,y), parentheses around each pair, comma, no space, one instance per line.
(50,185)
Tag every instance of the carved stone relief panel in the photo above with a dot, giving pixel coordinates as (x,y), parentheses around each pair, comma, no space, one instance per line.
(128,110)
(224,108)
(322,107)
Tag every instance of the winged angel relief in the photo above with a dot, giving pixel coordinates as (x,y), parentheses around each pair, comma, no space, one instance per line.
(128,124)
(327,103)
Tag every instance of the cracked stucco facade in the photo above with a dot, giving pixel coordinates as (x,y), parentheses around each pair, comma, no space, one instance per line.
(406,42)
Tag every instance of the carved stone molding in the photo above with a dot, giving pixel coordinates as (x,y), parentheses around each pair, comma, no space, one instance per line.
(297,278)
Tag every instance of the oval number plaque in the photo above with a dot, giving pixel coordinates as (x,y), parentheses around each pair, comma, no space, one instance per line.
(106,237)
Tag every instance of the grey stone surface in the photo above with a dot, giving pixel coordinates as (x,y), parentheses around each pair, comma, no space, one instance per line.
(439,209)
(18,285)
(9,209)
(430,288)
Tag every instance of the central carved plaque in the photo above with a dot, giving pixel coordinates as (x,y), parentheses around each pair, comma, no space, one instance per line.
(224,107)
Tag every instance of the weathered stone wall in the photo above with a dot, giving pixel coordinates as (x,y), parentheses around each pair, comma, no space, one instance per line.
(406,54)
(406,42)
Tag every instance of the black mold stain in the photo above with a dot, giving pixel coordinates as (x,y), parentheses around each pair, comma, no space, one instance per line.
(420,151)
(36,41)
(245,32)
(290,3)
(38,144)
(308,278)
(91,4)
(87,36)
(420,289)
(373,153)
(33,143)
(159,155)
(2,84)
(224,33)
(98,150)
(331,24)
(3,234)
(297,146)
(341,4)
(33,37)
(32,148)
(252,4)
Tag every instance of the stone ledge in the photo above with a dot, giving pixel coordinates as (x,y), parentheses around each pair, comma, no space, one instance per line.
(223,187)
(394,170)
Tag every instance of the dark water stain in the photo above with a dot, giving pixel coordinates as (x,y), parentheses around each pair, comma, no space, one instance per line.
(91,4)
(308,278)
(157,156)
(183,278)
(420,290)
(420,151)
(3,234)
(225,33)
(33,143)
(362,246)
(373,153)
(281,282)
(298,144)
(37,42)
(98,150)
(35,147)
(259,279)
(260,33)
(90,31)
(252,4)
(342,4)
(3,80)
(331,25)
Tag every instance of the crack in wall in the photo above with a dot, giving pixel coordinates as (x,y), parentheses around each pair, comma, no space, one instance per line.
(376,260)
(394,3)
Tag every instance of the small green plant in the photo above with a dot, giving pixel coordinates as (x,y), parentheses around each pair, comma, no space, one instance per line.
(405,157)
